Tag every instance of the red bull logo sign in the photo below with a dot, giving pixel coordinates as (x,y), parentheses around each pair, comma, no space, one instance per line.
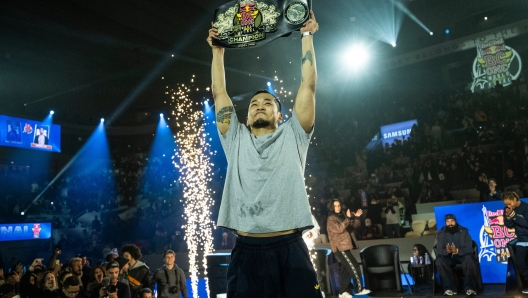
(495,63)
(494,235)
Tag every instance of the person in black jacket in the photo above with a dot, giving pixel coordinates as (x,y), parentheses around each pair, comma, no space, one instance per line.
(516,216)
(111,287)
(138,272)
(455,246)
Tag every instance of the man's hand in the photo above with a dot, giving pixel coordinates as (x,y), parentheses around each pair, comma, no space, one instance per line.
(454,249)
(310,25)
(16,276)
(19,268)
(102,292)
(113,295)
(56,252)
(448,248)
(213,33)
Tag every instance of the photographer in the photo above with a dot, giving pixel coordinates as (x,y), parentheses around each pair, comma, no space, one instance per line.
(111,287)
(170,278)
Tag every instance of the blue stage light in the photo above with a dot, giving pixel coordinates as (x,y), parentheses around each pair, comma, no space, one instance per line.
(269,84)
(52,112)
(102,119)
(431,32)
(161,115)
(447,31)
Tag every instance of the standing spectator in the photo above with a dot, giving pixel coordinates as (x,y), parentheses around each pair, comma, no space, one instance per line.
(341,244)
(493,193)
(138,272)
(516,217)
(96,224)
(455,246)
(170,278)
(392,213)
(71,288)
(122,289)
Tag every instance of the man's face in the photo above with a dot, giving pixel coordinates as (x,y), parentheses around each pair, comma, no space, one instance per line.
(71,291)
(450,223)
(492,183)
(113,273)
(337,207)
(83,261)
(263,111)
(76,268)
(169,259)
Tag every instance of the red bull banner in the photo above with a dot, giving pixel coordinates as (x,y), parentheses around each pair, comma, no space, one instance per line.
(250,23)
(485,222)
(495,63)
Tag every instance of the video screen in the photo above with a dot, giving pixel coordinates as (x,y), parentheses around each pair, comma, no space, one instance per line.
(25,231)
(29,134)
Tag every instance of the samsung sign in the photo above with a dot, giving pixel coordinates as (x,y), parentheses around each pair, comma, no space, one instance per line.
(392,132)
(25,231)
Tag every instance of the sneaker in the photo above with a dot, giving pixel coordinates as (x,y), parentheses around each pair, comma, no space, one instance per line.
(345,295)
(471,293)
(525,291)
(449,293)
(363,292)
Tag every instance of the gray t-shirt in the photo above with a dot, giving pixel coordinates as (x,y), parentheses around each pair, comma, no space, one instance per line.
(264,189)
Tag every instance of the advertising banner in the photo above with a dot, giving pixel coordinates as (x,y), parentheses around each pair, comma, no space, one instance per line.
(29,134)
(400,130)
(25,231)
(486,226)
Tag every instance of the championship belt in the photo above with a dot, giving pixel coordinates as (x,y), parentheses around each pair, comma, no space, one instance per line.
(251,23)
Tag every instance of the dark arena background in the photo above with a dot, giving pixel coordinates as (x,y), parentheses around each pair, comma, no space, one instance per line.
(108,134)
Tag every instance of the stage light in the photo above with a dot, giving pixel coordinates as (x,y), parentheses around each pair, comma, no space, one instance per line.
(102,119)
(269,84)
(431,33)
(22,213)
(357,57)
(161,115)
(393,44)
(447,31)
(52,112)
(485,18)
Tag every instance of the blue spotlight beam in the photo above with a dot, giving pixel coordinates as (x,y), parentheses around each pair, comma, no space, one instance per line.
(89,145)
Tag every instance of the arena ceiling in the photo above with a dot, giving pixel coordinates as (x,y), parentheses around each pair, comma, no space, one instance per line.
(93,59)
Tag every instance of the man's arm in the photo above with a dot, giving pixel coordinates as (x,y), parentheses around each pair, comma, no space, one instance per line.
(223,105)
(183,284)
(305,101)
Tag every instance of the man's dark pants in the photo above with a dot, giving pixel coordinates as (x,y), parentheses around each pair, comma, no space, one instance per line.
(271,267)
(445,266)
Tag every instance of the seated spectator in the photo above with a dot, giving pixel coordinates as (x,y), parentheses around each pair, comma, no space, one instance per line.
(443,195)
(369,231)
(492,193)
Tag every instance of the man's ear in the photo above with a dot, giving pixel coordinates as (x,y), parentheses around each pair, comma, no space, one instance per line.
(279,119)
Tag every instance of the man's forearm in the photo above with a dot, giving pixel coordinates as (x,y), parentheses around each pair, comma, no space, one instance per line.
(218,72)
(308,68)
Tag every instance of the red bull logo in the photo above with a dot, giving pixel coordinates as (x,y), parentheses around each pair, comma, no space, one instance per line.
(28,129)
(499,235)
(36,230)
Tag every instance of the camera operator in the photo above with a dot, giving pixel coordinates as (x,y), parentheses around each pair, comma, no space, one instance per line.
(170,278)
(111,287)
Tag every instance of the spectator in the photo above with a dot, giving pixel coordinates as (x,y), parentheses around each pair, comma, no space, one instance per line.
(454,246)
(138,272)
(122,289)
(392,213)
(170,278)
(370,231)
(493,193)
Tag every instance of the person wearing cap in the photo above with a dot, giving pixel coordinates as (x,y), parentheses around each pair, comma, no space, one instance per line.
(264,200)
(455,246)
(170,278)
(493,194)
(516,217)
(341,242)
(122,289)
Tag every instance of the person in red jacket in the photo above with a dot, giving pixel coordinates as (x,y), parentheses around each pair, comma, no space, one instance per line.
(341,243)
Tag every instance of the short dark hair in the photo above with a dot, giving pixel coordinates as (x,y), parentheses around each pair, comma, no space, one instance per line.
(143,291)
(279,106)
(71,281)
(170,251)
(133,250)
